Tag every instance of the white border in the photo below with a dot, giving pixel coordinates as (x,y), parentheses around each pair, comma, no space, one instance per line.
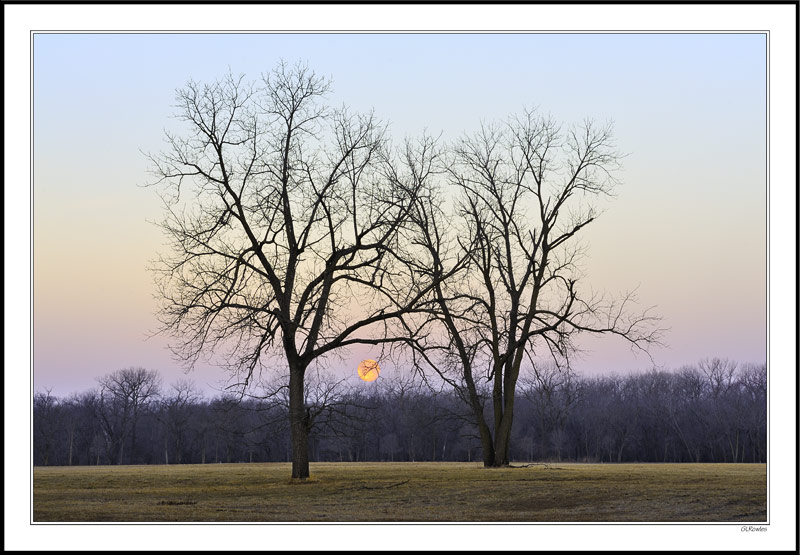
(779,20)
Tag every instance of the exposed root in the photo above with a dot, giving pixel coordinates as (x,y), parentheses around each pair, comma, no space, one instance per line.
(378,487)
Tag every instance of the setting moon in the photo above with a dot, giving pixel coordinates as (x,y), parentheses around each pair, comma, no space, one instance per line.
(368,370)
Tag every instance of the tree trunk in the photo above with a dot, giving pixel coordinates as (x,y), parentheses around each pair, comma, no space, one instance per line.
(497,408)
(487,447)
(71,438)
(132,456)
(298,423)
(502,440)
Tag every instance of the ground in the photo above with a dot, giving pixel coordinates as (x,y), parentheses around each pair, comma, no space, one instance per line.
(412,492)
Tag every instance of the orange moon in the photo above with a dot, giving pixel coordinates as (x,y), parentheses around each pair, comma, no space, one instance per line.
(368,370)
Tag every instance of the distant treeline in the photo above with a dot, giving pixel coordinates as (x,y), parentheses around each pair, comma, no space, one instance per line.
(713,412)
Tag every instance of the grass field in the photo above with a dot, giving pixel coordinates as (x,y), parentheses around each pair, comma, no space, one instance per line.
(415,492)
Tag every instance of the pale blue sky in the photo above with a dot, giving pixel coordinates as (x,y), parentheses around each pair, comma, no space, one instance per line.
(687,226)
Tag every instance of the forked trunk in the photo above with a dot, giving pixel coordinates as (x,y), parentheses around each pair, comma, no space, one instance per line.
(502,438)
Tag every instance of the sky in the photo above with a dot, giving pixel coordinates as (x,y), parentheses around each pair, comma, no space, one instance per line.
(687,226)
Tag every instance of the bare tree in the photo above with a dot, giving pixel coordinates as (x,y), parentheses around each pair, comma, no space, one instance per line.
(754,383)
(175,413)
(506,273)
(553,392)
(70,422)
(728,389)
(46,425)
(332,407)
(283,216)
(123,395)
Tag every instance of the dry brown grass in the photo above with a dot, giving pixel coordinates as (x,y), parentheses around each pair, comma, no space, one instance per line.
(414,492)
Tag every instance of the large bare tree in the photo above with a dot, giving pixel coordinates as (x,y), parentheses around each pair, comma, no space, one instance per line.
(283,217)
(123,396)
(523,193)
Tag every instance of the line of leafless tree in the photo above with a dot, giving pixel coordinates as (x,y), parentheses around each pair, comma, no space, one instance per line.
(712,412)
